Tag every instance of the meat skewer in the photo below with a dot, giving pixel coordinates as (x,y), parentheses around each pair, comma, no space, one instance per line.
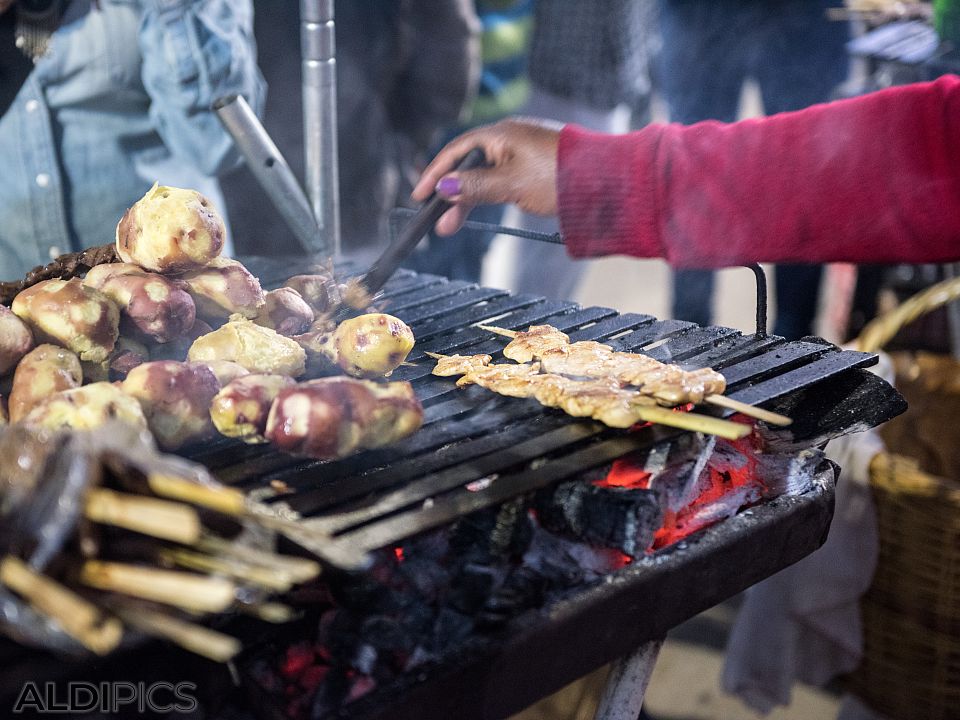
(602,398)
(669,384)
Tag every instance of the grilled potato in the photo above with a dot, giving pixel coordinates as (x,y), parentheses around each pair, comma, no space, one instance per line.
(285,311)
(16,340)
(258,349)
(169,230)
(224,288)
(241,408)
(71,314)
(319,291)
(334,417)
(226,371)
(86,408)
(4,419)
(371,345)
(151,306)
(175,398)
(45,370)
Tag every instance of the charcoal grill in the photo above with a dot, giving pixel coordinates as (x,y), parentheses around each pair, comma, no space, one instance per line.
(378,499)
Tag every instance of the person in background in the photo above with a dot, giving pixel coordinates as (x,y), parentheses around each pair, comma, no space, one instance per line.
(804,186)
(406,69)
(504,88)
(100,100)
(798,58)
(588,65)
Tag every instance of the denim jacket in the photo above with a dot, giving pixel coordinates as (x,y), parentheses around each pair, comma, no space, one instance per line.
(120,100)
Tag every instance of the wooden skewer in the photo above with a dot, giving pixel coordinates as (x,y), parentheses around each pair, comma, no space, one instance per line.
(197,639)
(300,570)
(270,578)
(78,617)
(224,499)
(191,592)
(150,516)
(718,400)
(693,422)
(271,612)
(750,410)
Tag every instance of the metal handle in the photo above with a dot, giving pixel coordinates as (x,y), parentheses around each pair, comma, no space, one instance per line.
(420,224)
(270,169)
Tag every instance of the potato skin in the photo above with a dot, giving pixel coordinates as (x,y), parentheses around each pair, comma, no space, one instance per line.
(16,340)
(175,398)
(86,408)
(334,417)
(241,408)
(285,311)
(320,292)
(169,230)
(372,345)
(226,371)
(71,314)
(223,288)
(258,349)
(152,307)
(45,370)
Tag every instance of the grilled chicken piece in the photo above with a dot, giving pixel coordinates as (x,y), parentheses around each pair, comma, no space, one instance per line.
(450,365)
(532,343)
(334,417)
(241,408)
(170,230)
(670,384)
(70,314)
(45,370)
(16,340)
(511,380)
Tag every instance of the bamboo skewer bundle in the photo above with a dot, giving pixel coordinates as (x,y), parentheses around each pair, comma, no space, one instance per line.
(169,551)
(713,399)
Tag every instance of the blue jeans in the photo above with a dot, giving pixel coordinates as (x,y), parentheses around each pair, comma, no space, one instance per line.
(796,55)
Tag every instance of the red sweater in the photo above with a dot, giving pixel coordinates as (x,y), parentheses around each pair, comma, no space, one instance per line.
(870,179)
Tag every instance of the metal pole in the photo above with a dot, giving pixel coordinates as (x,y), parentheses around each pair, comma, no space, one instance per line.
(629,676)
(319,72)
(269,168)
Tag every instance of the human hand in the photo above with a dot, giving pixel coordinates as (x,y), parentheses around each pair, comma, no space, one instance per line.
(522,157)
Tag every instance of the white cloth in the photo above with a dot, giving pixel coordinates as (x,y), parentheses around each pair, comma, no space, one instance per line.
(804,622)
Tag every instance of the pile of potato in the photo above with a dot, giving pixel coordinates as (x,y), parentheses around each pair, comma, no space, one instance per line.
(185,342)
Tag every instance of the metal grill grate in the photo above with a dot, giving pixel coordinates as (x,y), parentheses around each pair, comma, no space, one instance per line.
(380,497)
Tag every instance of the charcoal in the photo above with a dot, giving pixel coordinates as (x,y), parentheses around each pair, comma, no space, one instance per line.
(471,587)
(426,578)
(450,628)
(512,531)
(389,634)
(523,589)
(493,534)
(676,468)
(612,517)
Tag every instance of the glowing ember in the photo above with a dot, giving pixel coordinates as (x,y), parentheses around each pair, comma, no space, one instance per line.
(729,483)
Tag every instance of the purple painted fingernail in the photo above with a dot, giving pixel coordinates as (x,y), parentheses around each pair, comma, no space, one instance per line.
(449,186)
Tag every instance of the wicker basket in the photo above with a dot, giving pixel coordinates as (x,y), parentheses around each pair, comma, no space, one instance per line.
(911,613)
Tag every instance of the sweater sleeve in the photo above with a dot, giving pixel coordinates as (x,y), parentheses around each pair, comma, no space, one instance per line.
(870,179)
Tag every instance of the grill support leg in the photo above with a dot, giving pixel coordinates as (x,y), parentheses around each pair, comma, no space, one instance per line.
(623,696)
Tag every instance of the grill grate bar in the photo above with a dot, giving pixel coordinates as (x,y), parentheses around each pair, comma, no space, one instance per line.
(452,305)
(481,465)
(651,333)
(449,507)
(804,376)
(612,326)
(422,296)
(474,314)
